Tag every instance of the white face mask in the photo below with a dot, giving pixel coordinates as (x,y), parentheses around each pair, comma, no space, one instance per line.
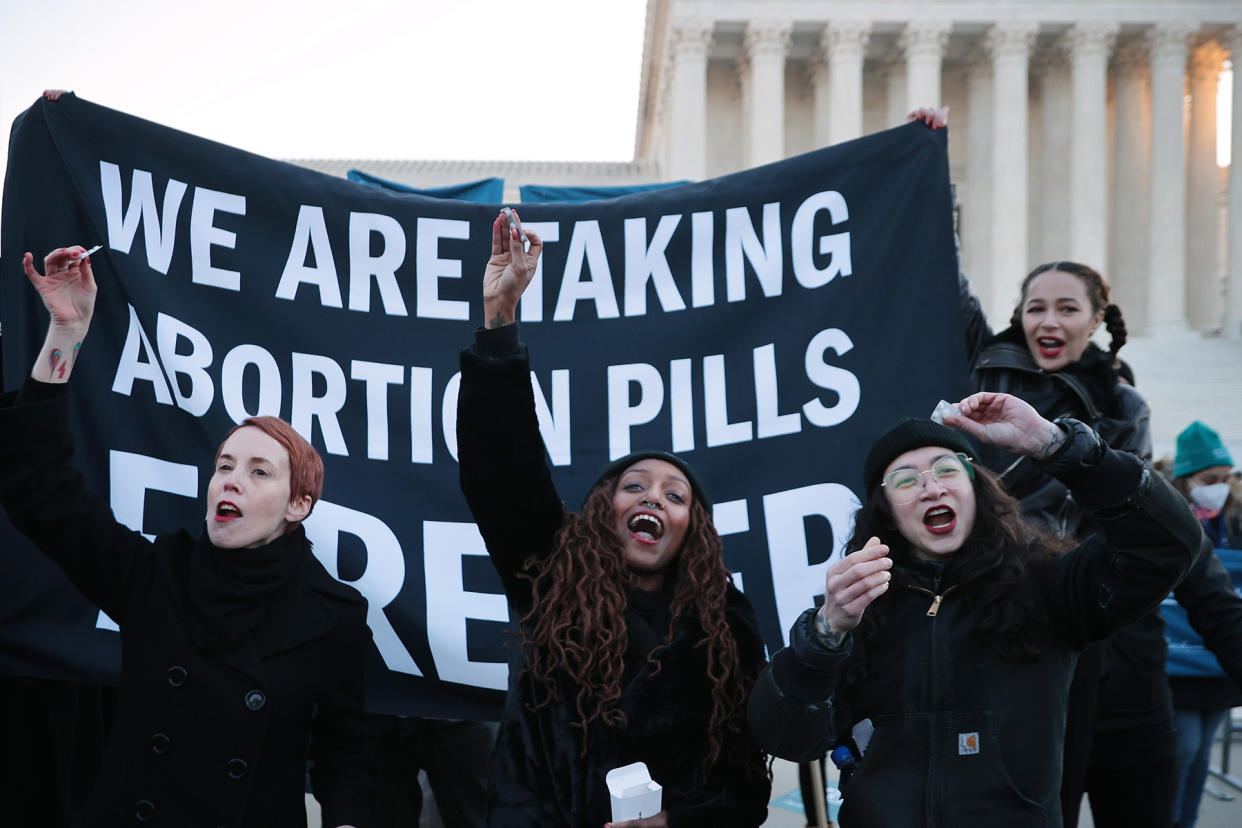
(1211,497)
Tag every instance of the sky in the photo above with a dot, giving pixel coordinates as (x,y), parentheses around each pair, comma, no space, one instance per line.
(359,79)
(364,79)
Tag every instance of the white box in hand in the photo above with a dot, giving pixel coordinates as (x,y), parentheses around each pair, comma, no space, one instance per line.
(632,792)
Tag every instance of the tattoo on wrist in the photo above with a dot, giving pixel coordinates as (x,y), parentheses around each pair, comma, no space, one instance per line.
(1055,438)
(497,321)
(828,636)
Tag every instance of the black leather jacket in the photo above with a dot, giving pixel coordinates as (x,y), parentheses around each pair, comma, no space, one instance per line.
(1133,690)
(1088,391)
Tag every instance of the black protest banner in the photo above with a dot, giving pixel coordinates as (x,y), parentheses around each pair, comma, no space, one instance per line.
(765,325)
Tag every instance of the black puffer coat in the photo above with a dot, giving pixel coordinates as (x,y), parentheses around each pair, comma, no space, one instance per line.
(963,736)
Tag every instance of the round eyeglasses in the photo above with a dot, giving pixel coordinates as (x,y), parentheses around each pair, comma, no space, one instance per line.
(953,471)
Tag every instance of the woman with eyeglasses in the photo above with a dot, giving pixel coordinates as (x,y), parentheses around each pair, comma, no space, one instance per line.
(953,623)
(1121,740)
(1121,744)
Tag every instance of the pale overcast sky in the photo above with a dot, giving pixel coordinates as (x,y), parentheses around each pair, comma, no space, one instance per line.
(359,79)
(345,78)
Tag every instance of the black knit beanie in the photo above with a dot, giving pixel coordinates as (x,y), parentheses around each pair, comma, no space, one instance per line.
(909,433)
(615,468)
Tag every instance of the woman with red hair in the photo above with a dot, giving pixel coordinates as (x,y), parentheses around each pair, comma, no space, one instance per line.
(241,656)
(635,646)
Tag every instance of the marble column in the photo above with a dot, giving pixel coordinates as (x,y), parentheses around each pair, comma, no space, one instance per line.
(1051,221)
(976,197)
(660,123)
(845,43)
(1036,179)
(741,70)
(1203,287)
(1233,279)
(764,47)
(1130,217)
(896,105)
(1166,44)
(923,42)
(689,46)
(1089,46)
(821,93)
(1009,45)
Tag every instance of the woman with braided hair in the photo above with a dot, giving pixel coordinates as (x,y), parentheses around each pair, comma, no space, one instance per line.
(635,646)
(1047,358)
(1120,743)
(1120,739)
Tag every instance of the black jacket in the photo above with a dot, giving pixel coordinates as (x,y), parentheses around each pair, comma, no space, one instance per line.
(201,737)
(964,737)
(1087,391)
(538,775)
(1134,690)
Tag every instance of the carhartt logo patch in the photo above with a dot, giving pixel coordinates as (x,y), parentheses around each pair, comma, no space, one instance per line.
(967,743)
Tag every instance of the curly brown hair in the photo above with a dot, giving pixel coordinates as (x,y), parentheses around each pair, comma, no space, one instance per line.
(576,625)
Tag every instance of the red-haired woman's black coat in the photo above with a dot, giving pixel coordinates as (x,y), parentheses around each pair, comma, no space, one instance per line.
(201,737)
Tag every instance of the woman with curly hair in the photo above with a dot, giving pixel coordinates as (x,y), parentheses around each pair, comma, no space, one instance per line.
(953,623)
(635,646)
(1121,744)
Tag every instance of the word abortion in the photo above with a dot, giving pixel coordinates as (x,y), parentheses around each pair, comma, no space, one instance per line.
(181,370)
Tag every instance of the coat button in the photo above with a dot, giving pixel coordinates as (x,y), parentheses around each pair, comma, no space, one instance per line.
(177,676)
(160,743)
(237,768)
(255,700)
(144,810)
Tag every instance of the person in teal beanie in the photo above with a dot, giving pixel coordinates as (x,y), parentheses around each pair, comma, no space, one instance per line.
(1202,692)
(1202,471)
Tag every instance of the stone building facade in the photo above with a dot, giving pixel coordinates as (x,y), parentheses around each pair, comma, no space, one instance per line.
(1081,130)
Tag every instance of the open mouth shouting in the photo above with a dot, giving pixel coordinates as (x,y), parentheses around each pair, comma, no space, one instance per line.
(1050,346)
(227,511)
(940,520)
(646,527)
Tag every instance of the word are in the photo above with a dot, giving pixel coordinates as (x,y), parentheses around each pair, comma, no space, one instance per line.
(675,258)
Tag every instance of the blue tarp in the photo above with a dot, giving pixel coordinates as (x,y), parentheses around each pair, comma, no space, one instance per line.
(541,193)
(1187,655)
(483,191)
